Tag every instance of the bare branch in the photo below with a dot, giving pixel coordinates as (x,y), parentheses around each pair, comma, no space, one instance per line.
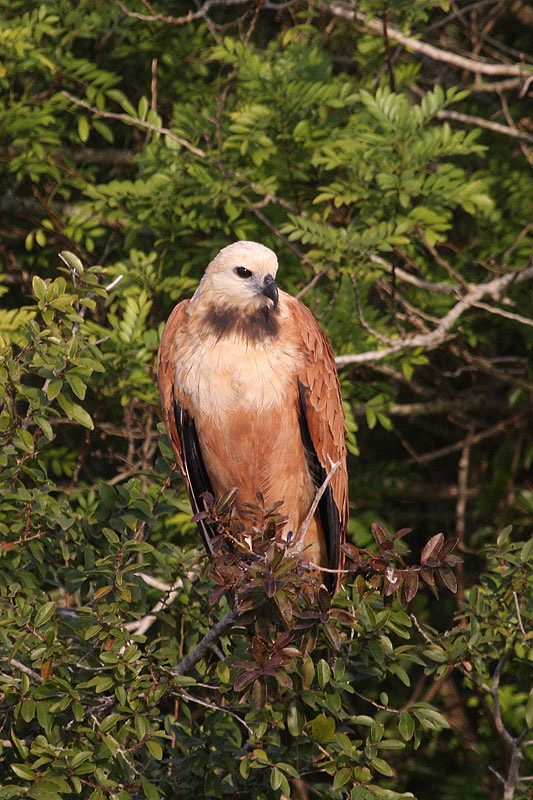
(214,707)
(201,13)
(438,335)
(468,119)
(299,539)
(135,121)
(518,614)
(201,649)
(420,283)
(139,627)
(345,11)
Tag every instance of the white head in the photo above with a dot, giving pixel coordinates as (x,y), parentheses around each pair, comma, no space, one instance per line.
(241,276)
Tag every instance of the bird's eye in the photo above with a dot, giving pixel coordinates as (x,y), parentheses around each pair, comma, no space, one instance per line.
(242,272)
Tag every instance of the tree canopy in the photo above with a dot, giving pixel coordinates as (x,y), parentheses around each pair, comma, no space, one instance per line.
(384,151)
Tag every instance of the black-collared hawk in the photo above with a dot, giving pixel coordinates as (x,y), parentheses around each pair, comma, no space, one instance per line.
(251,399)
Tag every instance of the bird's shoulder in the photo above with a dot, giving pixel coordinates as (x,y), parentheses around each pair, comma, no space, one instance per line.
(312,338)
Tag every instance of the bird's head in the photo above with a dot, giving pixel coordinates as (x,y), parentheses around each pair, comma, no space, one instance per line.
(242,276)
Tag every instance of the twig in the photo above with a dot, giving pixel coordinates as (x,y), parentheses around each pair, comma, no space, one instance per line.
(300,537)
(468,119)
(439,334)
(479,437)
(420,283)
(139,627)
(376,26)
(190,17)
(460,508)
(514,745)
(205,704)
(135,121)
(500,312)
(520,623)
(27,670)
(192,658)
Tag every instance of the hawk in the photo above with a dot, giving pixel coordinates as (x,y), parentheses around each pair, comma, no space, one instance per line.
(251,399)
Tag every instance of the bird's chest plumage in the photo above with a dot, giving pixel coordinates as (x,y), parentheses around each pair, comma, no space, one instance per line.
(222,376)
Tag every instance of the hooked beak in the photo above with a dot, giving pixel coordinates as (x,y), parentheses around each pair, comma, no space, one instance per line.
(270,289)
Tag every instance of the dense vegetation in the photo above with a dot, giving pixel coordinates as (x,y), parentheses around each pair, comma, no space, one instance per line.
(385,152)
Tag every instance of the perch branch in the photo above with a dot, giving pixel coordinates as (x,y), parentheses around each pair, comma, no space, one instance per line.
(139,627)
(214,707)
(377,27)
(203,646)
(438,335)
(135,121)
(299,540)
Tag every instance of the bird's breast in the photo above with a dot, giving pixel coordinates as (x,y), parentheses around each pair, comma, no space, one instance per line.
(220,376)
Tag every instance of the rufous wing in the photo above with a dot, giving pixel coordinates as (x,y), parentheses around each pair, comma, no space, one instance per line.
(181,429)
(323,428)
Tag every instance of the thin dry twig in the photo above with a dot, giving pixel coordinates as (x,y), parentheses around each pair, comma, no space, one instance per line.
(496,127)
(439,334)
(135,121)
(205,704)
(300,537)
(139,627)
(153,16)
(204,645)
(376,26)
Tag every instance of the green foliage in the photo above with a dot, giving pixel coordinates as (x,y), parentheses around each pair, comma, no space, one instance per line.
(135,147)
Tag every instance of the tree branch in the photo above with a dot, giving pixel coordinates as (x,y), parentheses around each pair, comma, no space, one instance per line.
(468,119)
(376,26)
(201,13)
(438,335)
(192,658)
(300,538)
(135,121)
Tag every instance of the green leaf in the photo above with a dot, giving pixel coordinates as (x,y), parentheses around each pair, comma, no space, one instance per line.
(83,128)
(155,749)
(23,771)
(406,725)
(322,728)
(295,720)
(526,553)
(381,766)
(149,790)
(276,778)
(323,672)
(341,778)
(39,288)
(75,411)
(45,613)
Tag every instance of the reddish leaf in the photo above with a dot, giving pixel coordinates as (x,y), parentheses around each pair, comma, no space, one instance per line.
(432,549)
(245,679)
(226,501)
(284,606)
(427,576)
(332,635)
(259,695)
(380,533)
(448,546)
(283,679)
(447,578)
(324,599)
(352,553)
(259,650)
(401,533)
(269,585)
(46,669)
(391,581)
(410,585)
